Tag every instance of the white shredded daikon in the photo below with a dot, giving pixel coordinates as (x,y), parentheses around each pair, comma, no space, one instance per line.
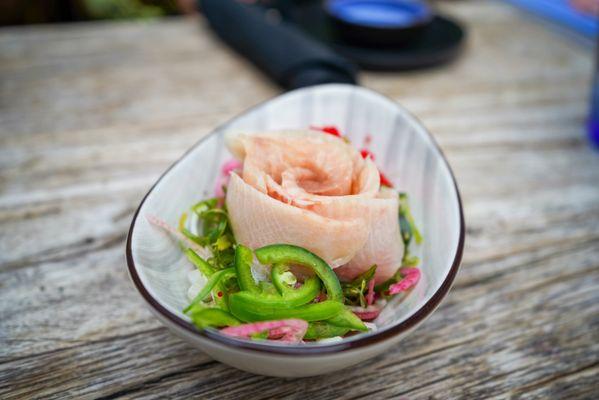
(371,326)
(197,281)
(333,339)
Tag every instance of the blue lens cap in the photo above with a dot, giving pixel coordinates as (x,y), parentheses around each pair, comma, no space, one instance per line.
(385,14)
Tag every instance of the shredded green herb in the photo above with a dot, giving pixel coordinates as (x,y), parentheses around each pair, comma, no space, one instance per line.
(215,233)
(230,299)
(409,230)
(213,281)
(354,292)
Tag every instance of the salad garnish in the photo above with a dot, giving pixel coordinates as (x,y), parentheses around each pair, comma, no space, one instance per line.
(282,292)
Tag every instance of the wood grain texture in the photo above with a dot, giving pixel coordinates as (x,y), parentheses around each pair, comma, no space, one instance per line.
(91,114)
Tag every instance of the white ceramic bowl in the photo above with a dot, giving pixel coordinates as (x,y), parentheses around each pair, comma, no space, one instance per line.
(407,154)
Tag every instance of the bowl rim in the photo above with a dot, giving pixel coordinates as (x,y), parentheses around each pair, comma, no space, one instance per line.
(328,348)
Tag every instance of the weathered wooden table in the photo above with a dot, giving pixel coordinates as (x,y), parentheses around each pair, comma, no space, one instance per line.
(91,114)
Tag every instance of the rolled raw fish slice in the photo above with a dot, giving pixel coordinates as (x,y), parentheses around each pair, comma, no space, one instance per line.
(384,246)
(259,220)
(315,191)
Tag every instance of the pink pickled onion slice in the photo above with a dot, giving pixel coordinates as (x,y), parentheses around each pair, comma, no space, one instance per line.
(370,295)
(411,276)
(366,314)
(225,172)
(287,330)
(231,166)
(278,333)
(285,334)
(202,251)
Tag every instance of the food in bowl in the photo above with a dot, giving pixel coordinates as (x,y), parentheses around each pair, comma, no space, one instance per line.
(305,239)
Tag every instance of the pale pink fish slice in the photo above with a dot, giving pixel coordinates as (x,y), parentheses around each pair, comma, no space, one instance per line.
(329,159)
(259,220)
(367,181)
(366,184)
(384,246)
(326,177)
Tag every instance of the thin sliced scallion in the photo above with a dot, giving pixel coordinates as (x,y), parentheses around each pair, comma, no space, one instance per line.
(212,282)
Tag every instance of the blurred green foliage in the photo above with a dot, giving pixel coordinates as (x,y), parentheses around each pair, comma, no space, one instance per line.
(15,12)
(119,9)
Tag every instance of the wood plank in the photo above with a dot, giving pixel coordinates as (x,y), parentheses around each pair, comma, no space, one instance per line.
(91,114)
(457,322)
(456,344)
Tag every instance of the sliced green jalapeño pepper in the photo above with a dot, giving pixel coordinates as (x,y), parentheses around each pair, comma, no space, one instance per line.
(275,300)
(347,319)
(294,255)
(323,330)
(296,297)
(268,288)
(212,317)
(250,307)
(287,254)
(243,265)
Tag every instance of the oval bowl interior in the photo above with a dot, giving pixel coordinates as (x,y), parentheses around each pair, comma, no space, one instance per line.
(404,151)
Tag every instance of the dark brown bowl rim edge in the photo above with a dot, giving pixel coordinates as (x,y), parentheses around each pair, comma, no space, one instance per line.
(375,338)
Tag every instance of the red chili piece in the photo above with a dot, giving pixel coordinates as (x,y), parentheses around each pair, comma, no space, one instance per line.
(385,181)
(365,153)
(331,130)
